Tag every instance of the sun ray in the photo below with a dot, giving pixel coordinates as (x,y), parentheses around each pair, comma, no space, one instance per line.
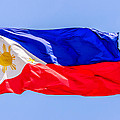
(9,48)
(4,69)
(0,53)
(4,48)
(13,67)
(13,57)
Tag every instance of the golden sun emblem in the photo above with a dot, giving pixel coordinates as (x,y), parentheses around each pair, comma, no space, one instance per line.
(6,59)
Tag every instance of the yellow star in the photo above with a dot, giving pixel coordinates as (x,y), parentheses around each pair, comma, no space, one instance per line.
(31,60)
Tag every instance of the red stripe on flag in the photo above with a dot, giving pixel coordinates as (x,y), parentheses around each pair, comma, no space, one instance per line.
(99,79)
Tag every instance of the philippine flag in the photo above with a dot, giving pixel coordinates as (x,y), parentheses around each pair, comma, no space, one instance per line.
(69,61)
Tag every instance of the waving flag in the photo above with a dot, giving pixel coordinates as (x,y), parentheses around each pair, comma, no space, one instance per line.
(71,61)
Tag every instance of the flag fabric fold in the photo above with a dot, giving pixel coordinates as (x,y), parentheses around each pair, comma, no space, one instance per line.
(70,61)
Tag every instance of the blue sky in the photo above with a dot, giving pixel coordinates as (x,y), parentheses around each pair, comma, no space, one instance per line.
(45,14)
